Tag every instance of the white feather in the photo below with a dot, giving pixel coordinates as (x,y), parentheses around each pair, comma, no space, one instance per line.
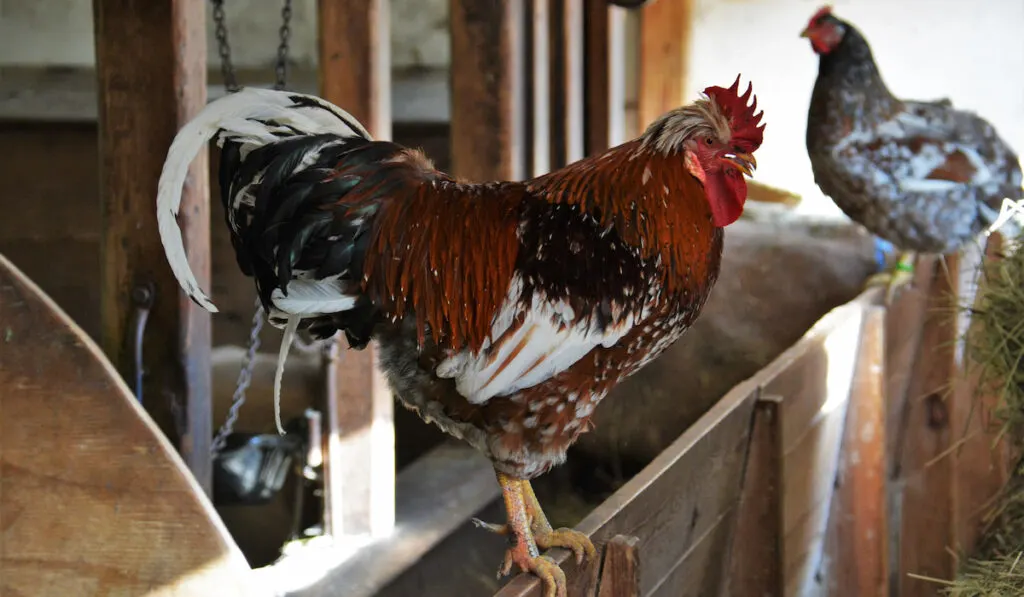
(282,355)
(312,298)
(235,117)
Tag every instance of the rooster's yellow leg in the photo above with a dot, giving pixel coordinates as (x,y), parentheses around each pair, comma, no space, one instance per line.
(543,535)
(892,279)
(547,537)
(524,552)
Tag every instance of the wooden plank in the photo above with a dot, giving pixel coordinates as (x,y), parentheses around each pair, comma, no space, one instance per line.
(487,89)
(664,53)
(95,500)
(981,461)
(536,86)
(925,478)
(756,551)
(857,538)
(669,513)
(151,76)
(436,494)
(620,573)
(354,45)
(359,480)
(567,97)
(604,61)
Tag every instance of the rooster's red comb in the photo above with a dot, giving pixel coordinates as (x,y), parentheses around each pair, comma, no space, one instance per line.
(823,12)
(742,120)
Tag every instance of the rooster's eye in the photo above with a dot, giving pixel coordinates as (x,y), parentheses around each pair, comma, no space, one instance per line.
(708,140)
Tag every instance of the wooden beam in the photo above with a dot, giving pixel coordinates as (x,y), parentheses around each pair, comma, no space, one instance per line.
(925,475)
(756,551)
(567,98)
(604,59)
(487,89)
(359,485)
(355,60)
(620,572)
(151,78)
(857,538)
(664,53)
(536,85)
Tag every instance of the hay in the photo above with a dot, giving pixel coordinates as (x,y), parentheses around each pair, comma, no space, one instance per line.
(996,345)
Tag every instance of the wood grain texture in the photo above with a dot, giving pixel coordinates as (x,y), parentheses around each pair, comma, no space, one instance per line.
(151,77)
(487,89)
(567,84)
(95,500)
(664,52)
(925,480)
(605,83)
(355,73)
(857,538)
(756,548)
(536,87)
(620,572)
(355,60)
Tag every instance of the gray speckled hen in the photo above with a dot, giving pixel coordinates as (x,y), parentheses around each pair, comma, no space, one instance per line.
(921,175)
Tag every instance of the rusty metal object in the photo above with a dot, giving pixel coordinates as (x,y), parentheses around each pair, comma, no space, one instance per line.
(143,295)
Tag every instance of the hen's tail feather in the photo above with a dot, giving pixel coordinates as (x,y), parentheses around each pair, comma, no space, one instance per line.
(249,118)
(282,355)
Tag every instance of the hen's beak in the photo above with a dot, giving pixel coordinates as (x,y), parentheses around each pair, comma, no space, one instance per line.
(744,162)
(806,32)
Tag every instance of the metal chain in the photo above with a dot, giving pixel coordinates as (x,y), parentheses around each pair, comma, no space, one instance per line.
(227,68)
(244,379)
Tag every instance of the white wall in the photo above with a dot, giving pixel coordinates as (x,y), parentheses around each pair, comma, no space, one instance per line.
(59,32)
(970,52)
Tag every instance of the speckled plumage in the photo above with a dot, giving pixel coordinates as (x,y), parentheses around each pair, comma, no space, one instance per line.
(922,175)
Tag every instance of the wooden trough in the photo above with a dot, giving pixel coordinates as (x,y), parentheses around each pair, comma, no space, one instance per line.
(842,468)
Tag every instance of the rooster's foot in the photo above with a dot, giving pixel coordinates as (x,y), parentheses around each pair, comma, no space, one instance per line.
(551,576)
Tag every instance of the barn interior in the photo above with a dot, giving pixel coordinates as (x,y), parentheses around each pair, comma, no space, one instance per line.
(806,436)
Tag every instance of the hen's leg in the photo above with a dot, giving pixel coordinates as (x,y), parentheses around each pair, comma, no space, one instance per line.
(893,278)
(524,552)
(546,537)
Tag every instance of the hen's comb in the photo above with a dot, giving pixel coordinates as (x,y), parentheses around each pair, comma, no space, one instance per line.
(742,119)
(823,12)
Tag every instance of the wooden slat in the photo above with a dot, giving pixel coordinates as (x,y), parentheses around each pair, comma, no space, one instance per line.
(857,539)
(355,73)
(604,59)
(925,478)
(566,47)
(487,89)
(151,74)
(536,85)
(664,50)
(620,573)
(756,550)
(95,500)
(355,60)
(981,462)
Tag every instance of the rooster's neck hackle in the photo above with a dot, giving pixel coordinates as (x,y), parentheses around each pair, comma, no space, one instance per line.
(701,118)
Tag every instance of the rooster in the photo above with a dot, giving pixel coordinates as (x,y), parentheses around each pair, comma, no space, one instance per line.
(503,312)
(921,175)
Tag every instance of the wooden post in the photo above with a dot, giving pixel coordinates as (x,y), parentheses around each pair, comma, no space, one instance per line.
(755,562)
(620,574)
(536,87)
(567,101)
(151,79)
(857,538)
(360,440)
(604,59)
(664,51)
(487,89)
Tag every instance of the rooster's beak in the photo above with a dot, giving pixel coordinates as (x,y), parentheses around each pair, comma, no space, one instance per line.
(744,162)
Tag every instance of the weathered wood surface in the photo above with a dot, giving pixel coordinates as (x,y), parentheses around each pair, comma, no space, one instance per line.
(487,97)
(151,77)
(664,51)
(925,478)
(95,500)
(620,571)
(359,433)
(567,87)
(756,551)
(435,495)
(856,561)
(605,72)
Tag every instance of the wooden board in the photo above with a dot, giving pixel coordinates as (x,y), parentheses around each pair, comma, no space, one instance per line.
(487,90)
(604,60)
(664,52)
(95,500)
(856,561)
(151,75)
